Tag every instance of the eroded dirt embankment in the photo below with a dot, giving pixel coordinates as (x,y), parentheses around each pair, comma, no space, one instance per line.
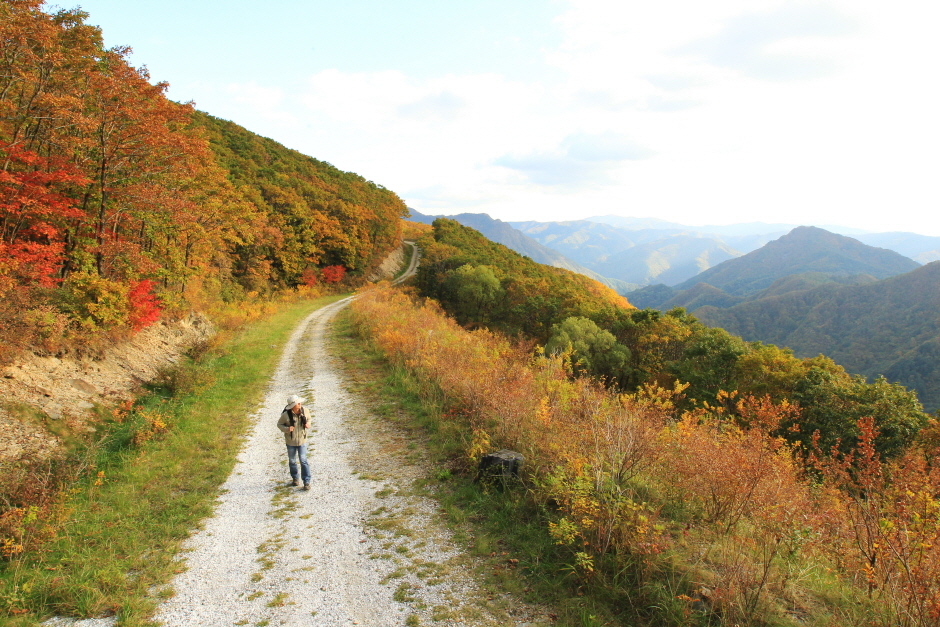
(65,389)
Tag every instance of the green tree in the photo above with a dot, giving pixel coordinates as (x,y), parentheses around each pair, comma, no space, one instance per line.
(594,351)
(474,290)
(833,402)
(709,363)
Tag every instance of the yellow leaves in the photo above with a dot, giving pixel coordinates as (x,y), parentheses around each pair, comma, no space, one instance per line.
(479,445)
(543,414)
(9,547)
(154,425)
(564,531)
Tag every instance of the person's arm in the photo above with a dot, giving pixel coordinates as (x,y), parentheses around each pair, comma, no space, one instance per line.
(283,425)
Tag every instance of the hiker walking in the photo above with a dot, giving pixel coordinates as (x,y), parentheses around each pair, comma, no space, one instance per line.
(293,423)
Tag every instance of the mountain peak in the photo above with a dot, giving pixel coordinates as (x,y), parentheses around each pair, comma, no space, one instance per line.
(804,249)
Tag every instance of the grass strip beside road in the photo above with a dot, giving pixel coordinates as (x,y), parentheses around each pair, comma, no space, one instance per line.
(157,474)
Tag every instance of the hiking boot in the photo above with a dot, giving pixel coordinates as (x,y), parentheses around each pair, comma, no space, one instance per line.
(295,482)
(306,486)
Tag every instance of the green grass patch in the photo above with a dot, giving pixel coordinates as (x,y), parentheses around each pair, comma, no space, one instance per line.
(151,484)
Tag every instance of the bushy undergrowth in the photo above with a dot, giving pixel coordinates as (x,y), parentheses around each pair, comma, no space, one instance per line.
(682,517)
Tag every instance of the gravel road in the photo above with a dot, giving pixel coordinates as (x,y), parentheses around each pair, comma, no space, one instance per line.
(358,549)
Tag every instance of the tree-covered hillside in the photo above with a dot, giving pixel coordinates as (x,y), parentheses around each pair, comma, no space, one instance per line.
(116,203)
(889,327)
(503,233)
(483,284)
(313,213)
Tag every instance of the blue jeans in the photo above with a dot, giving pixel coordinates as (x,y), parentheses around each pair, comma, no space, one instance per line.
(292,453)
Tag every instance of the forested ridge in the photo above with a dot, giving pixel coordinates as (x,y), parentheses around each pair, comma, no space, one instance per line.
(117,203)
(871,310)
(888,327)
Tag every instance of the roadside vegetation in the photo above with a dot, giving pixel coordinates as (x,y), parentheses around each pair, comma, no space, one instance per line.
(640,508)
(97,529)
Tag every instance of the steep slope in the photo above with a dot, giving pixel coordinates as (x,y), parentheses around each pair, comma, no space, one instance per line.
(888,327)
(505,234)
(313,214)
(484,282)
(804,249)
(920,248)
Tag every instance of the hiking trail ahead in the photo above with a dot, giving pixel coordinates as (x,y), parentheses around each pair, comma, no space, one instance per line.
(359,548)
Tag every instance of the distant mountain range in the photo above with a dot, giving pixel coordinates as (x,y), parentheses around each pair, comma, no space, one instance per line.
(649,251)
(626,253)
(502,233)
(872,310)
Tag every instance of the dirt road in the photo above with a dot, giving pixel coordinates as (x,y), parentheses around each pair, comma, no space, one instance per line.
(357,549)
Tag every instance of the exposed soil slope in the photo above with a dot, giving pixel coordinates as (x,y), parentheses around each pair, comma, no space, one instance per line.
(65,389)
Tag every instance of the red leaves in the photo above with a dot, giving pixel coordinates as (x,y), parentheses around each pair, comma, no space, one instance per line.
(309,277)
(32,212)
(144,305)
(333,274)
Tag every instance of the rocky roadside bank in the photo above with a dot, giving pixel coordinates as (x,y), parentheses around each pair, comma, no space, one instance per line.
(65,389)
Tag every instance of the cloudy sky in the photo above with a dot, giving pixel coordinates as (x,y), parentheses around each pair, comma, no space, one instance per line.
(700,112)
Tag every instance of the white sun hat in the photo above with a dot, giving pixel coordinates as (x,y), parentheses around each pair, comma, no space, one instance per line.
(294,400)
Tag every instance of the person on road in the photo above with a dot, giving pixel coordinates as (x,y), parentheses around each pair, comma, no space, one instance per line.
(293,423)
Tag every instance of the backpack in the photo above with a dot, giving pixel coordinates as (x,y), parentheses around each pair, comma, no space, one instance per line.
(303,418)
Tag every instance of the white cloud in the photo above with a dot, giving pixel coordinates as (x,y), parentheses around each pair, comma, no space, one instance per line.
(264,101)
(775,44)
(702,112)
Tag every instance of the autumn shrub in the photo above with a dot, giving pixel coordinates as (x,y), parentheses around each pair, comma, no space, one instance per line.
(744,487)
(150,425)
(885,530)
(184,378)
(94,302)
(713,503)
(143,304)
(583,444)
(31,505)
(333,274)
(309,277)
(16,330)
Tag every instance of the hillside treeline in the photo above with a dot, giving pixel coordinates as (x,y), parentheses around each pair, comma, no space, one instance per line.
(486,284)
(116,202)
(313,213)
